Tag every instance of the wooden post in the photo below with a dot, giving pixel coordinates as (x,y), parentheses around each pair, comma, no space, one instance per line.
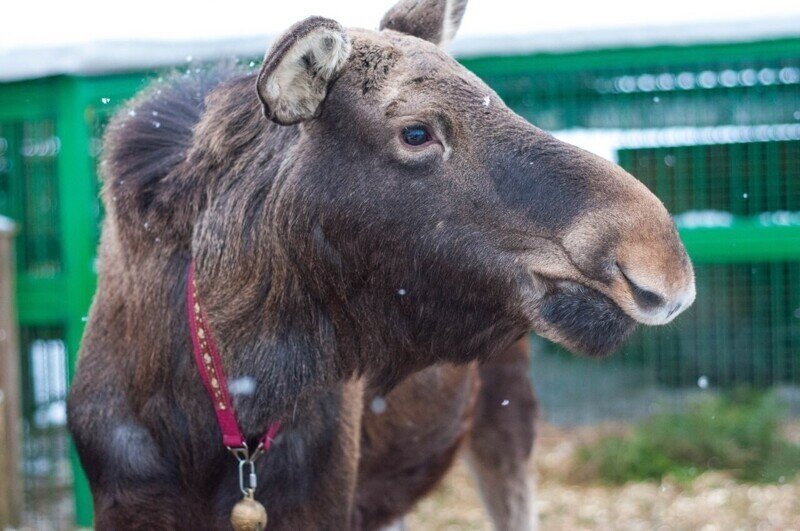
(10,422)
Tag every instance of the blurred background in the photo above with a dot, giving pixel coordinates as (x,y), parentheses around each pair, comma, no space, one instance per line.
(693,424)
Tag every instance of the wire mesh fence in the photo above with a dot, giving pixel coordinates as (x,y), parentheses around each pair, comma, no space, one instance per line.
(718,141)
(45,451)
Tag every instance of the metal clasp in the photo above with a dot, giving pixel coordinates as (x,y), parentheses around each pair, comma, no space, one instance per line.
(247,468)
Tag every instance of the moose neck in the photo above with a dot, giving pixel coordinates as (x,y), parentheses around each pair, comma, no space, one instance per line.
(278,346)
(276,340)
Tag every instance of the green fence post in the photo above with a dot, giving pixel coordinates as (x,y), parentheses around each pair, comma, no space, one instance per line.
(76,190)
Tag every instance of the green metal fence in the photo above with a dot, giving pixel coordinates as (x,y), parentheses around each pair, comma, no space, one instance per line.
(744,328)
(48,149)
(714,130)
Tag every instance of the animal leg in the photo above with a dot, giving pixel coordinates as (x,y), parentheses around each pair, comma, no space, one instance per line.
(501,440)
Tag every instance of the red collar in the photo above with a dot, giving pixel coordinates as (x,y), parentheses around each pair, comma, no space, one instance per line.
(209,364)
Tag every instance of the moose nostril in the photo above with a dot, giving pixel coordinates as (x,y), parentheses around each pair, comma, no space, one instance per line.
(645,298)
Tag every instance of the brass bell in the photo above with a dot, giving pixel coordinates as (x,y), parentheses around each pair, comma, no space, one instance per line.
(249,514)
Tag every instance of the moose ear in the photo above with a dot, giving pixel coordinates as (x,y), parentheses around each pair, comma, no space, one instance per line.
(299,68)
(436,21)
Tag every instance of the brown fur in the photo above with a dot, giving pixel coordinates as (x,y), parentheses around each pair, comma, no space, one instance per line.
(336,264)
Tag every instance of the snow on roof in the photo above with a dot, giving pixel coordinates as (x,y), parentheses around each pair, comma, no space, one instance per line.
(119,56)
(92,58)
(675,34)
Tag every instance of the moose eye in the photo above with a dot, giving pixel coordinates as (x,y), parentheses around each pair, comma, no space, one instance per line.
(416,135)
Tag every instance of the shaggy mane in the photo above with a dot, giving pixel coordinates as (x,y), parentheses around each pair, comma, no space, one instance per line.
(151,135)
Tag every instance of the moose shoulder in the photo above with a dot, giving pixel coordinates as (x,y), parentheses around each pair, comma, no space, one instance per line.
(372,231)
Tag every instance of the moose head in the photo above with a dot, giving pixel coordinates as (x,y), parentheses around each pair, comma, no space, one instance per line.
(434,218)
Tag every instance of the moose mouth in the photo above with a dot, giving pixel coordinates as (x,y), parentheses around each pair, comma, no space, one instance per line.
(583,319)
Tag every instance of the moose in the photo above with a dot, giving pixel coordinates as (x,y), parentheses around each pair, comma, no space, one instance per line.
(372,234)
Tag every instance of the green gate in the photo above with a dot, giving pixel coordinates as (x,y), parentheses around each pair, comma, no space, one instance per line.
(49,138)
